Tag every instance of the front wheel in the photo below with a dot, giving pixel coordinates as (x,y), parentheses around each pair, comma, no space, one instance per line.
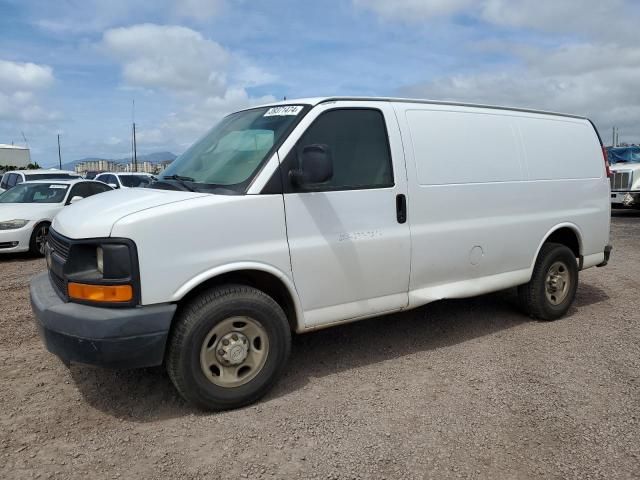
(228,348)
(553,284)
(39,239)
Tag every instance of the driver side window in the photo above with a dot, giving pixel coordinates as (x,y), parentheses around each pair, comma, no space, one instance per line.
(357,141)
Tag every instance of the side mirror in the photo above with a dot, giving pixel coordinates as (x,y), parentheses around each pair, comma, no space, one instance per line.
(75,199)
(112,185)
(316,166)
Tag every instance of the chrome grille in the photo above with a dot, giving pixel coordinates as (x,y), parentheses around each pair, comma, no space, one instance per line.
(59,244)
(621,180)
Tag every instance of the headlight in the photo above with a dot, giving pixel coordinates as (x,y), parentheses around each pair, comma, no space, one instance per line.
(100,260)
(102,272)
(13,224)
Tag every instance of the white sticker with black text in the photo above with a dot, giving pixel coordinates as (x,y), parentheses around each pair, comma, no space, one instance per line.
(58,186)
(284,110)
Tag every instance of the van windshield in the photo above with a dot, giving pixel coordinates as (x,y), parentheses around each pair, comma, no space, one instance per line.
(228,157)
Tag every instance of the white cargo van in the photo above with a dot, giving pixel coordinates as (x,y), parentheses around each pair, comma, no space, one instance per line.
(310,213)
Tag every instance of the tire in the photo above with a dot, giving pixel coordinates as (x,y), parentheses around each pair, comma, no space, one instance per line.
(38,239)
(205,378)
(543,299)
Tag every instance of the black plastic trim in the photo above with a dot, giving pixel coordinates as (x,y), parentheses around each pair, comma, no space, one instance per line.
(607,256)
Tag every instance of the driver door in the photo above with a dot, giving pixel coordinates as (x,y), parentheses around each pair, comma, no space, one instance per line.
(349,243)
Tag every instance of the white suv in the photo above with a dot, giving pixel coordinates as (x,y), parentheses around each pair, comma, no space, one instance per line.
(15,177)
(125,180)
(303,215)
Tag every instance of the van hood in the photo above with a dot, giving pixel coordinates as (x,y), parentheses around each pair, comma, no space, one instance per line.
(95,216)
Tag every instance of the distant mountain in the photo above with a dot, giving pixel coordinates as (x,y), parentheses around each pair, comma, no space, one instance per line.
(156,157)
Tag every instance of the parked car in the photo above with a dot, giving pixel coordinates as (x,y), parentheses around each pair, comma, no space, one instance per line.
(625,179)
(303,215)
(126,180)
(15,177)
(92,174)
(26,211)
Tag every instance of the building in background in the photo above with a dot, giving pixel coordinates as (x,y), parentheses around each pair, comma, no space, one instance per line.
(14,156)
(82,168)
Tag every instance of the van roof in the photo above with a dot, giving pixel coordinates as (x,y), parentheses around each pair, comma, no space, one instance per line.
(318,100)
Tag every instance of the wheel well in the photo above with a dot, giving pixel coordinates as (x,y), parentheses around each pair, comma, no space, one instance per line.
(567,237)
(263,281)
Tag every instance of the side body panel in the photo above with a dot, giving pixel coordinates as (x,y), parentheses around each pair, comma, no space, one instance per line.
(185,243)
(486,188)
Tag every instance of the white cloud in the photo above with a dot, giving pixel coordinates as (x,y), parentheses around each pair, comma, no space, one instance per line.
(171,57)
(19,83)
(24,76)
(599,81)
(590,66)
(89,16)
(593,17)
(207,80)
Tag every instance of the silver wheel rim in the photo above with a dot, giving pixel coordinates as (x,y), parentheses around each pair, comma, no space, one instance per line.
(41,238)
(557,283)
(234,351)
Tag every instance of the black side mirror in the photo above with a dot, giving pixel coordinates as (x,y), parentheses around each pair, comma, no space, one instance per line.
(316,166)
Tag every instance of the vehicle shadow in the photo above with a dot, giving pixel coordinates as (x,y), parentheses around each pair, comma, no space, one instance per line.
(18,257)
(148,395)
(625,213)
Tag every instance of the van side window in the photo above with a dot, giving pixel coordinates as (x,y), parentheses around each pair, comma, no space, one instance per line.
(359,146)
(3,182)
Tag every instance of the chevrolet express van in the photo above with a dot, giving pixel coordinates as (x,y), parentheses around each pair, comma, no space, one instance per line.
(306,214)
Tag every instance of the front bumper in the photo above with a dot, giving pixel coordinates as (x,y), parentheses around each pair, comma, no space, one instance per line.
(16,240)
(625,199)
(106,337)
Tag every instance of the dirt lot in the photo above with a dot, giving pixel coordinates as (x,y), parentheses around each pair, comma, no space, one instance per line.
(468,389)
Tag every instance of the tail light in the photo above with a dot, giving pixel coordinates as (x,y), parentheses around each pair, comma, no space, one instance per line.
(606,161)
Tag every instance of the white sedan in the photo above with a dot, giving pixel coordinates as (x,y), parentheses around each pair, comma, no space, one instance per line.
(126,180)
(26,211)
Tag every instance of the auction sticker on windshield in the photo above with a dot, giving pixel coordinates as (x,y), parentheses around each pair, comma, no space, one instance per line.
(284,110)
(58,186)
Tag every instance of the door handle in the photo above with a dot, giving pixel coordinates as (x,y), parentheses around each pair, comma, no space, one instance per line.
(401,208)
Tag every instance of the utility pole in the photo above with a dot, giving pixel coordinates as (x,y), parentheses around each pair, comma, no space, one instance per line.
(59,154)
(613,136)
(135,153)
(134,166)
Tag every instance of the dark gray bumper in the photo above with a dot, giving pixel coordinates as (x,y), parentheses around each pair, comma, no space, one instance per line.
(109,337)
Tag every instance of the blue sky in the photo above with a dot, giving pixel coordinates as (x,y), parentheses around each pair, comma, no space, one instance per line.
(73,67)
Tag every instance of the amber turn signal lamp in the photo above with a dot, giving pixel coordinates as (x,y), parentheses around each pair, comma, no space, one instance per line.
(100,293)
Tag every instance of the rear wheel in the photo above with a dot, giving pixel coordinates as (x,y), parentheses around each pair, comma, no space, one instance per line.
(229,346)
(39,239)
(553,284)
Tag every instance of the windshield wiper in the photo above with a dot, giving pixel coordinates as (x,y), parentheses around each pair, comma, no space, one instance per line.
(181,180)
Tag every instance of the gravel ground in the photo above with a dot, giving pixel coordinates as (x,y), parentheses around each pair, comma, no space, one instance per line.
(457,389)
